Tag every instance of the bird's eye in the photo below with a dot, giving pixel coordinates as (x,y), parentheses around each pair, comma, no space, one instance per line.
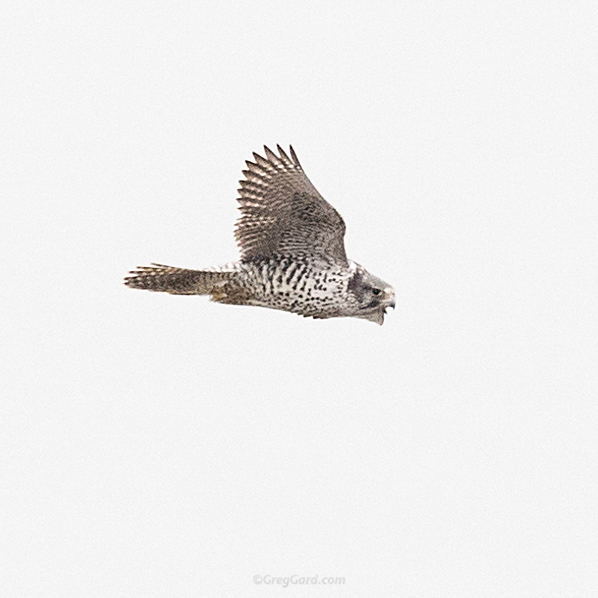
(375,291)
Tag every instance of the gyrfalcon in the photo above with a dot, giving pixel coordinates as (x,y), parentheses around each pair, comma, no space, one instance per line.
(292,253)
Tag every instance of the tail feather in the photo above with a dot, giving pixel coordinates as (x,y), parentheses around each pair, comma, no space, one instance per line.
(178,281)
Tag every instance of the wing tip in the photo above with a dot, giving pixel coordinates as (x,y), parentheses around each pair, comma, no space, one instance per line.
(294,156)
(263,165)
(271,156)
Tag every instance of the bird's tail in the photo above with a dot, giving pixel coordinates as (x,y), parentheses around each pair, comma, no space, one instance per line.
(179,281)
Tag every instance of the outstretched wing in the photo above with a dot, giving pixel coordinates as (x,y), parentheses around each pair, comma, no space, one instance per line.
(283,214)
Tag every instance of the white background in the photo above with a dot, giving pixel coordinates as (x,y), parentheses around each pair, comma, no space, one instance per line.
(154,445)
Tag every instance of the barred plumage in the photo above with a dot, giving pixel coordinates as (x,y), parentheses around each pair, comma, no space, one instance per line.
(292,252)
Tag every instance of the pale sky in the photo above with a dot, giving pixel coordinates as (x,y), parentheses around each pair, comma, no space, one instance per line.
(154,445)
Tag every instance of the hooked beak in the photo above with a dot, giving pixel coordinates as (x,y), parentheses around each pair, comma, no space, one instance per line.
(390,298)
(377,315)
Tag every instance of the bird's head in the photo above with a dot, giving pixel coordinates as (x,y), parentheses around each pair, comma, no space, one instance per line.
(372,295)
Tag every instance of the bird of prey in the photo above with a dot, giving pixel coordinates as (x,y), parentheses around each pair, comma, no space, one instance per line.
(292,253)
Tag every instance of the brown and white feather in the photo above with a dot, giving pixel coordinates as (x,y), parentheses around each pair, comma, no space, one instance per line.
(282,213)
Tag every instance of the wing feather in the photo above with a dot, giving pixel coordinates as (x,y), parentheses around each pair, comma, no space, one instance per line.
(283,214)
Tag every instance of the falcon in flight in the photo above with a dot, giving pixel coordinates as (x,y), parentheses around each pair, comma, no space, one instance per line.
(292,253)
